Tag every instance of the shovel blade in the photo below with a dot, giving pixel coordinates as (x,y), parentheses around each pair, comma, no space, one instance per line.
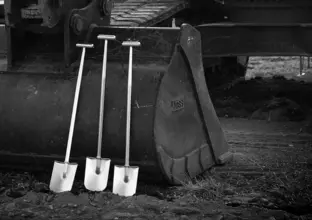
(94,181)
(128,188)
(58,183)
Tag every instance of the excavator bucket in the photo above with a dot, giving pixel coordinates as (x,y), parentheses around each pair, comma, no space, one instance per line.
(175,129)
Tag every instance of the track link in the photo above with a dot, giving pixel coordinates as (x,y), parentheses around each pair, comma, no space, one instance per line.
(143,12)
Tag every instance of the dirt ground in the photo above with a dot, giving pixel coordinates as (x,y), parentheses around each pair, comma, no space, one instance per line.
(273,87)
(270,176)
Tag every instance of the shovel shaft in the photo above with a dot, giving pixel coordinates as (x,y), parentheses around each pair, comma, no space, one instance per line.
(101,117)
(73,117)
(65,170)
(129,44)
(129,107)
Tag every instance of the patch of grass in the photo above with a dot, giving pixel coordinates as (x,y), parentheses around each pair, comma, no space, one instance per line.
(289,189)
(203,188)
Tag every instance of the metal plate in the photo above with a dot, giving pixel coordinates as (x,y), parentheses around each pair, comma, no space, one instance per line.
(254,39)
(31,12)
(1,8)
(3,41)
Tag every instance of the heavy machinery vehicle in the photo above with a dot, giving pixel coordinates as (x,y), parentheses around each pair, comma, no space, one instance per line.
(175,128)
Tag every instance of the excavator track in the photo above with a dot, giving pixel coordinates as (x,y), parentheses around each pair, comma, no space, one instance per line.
(144,12)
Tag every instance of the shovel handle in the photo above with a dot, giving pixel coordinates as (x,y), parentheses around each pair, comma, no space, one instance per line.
(85,45)
(129,44)
(103,82)
(106,37)
(78,84)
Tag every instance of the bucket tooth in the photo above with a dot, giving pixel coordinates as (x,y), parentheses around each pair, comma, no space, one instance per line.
(206,157)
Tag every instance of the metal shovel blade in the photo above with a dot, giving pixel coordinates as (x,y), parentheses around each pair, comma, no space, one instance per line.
(125,180)
(60,182)
(96,180)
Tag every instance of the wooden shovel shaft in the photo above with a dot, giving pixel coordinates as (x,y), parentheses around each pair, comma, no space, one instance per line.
(99,149)
(129,107)
(74,112)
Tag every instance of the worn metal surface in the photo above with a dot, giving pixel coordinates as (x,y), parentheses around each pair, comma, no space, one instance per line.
(127,13)
(192,46)
(54,12)
(44,52)
(264,11)
(167,117)
(157,43)
(254,39)
(72,19)
(36,115)
(188,134)
(3,48)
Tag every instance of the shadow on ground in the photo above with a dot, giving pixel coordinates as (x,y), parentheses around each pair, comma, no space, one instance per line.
(272,99)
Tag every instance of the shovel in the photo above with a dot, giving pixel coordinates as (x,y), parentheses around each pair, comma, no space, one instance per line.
(126,177)
(97,169)
(63,174)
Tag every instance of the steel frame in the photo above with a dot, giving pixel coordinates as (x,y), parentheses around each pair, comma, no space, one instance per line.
(254,39)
